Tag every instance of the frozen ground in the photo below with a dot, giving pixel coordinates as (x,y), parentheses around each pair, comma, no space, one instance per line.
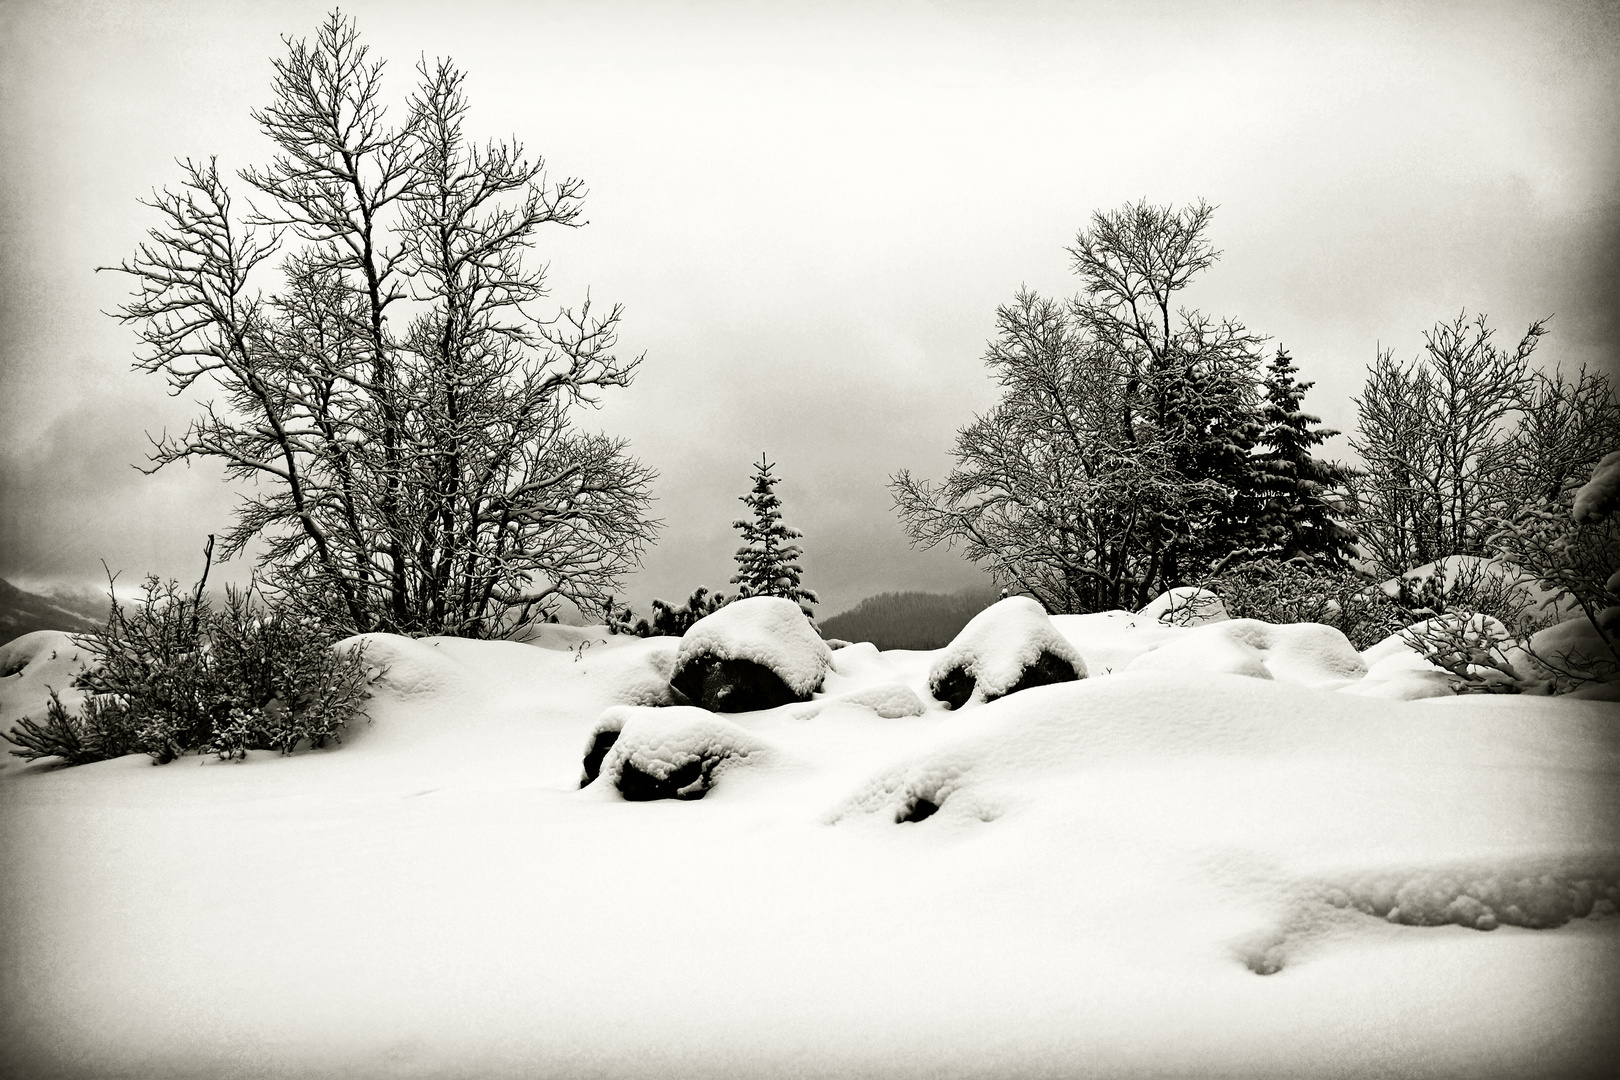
(1207,859)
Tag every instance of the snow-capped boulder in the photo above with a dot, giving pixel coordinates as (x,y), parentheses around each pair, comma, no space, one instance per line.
(669,753)
(1009,646)
(756,653)
(1186,606)
(1304,654)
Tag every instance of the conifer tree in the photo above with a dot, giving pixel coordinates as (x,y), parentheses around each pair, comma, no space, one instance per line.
(767,562)
(1294,515)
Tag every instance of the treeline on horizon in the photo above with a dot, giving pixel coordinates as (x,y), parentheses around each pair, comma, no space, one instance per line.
(910,620)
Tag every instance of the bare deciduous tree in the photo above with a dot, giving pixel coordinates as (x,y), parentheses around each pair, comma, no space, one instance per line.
(1436,439)
(399,411)
(1109,470)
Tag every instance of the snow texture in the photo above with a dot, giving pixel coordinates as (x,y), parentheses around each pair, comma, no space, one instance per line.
(1149,872)
(889,700)
(999,644)
(767,630)
(1596,498)
(1304,654)
(1186,606)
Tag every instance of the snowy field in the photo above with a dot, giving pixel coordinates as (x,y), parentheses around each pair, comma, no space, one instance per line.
(1231,851)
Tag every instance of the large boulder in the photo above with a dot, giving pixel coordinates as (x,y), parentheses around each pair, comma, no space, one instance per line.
(1009,646)
(756,653)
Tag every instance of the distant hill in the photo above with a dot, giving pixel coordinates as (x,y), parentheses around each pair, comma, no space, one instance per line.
(909,620)
(24,612)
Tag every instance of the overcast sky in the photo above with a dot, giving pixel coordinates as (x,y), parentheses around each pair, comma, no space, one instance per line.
(810,213)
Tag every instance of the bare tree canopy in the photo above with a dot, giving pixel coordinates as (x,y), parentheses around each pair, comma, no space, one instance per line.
(396,407)
(1467,436)
(1119,461)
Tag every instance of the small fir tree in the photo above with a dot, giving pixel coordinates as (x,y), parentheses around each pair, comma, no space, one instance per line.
(767,562)
(1297,491)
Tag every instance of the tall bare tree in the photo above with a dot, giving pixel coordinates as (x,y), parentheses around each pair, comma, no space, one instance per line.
(1110,468)
(398,407)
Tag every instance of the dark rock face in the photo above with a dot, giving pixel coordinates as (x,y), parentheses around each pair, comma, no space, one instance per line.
(918,809)
(955,687)
(690,781)
(596,754)
(731,686)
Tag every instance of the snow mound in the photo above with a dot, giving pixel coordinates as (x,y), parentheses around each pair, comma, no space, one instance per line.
(1001,649)
(1576,649)
(560,636)
(638,672)
(33,665)
(1186,606)
(403,667)
(766,630)
(890,700)
(669,753)
(1597,497)
(1303,654)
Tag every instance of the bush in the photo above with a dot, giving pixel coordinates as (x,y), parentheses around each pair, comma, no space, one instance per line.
(667,620)
(1301,590)
(173,676)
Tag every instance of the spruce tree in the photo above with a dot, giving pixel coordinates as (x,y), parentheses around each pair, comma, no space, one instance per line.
(767,562)
(1296,490)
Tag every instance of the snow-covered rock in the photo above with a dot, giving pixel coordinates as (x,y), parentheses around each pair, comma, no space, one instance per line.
(754,653)
(678,752)
(1304,654)
(1185,606)
(1009,646)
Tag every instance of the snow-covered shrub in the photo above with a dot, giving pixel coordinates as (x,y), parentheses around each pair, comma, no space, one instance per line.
(1303,654)
(668,620)
(1573,546)
(756,653)
(1303,591)
(173,676)
(1009,646)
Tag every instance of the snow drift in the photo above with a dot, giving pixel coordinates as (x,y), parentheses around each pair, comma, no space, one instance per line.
(1165,869)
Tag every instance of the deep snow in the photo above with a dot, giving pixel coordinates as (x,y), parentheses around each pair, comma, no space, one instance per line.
(1165,869)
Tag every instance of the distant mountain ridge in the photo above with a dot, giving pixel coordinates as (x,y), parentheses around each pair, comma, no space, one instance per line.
(23,612)
(909,620)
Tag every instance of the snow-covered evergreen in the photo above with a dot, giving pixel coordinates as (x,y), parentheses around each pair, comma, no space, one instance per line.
(767,562)
(1296,489)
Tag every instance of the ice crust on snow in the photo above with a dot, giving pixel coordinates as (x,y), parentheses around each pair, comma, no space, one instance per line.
(1304,654)
(1538,895)
(999,643)
(767,630)
(1186,605)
